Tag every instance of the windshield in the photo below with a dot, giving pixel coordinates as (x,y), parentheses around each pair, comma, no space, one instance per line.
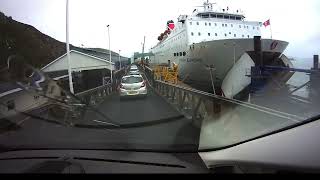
(131,80)
(214,74)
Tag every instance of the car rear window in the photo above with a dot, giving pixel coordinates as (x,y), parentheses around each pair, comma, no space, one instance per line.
(132,79)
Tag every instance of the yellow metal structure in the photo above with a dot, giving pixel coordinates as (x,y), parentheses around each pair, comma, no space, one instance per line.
(166,74)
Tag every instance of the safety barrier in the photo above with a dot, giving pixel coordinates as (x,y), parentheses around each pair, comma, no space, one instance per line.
(97,95)
(203,106)
(164,73)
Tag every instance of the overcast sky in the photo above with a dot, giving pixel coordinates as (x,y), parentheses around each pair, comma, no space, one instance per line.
(295,21)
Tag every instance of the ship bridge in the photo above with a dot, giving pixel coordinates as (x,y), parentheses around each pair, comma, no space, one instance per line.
(210,11)
(220,15)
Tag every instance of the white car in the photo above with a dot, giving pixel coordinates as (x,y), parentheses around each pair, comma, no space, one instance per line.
(133,85)
(134,70)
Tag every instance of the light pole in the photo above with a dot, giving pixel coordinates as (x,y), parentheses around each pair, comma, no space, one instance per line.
(68,48)
(111,74)
(119,59)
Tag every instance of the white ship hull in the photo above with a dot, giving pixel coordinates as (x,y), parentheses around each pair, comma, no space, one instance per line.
(222,54)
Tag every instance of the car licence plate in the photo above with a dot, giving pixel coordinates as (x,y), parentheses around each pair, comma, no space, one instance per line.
(132,92)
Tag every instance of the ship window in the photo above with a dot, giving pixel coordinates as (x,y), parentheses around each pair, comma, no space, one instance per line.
(199,33)
(242,35)
(235,35)
(215,24)
(219,16)
(222,25)
(209,24)
(238,18)
(225,34)
(216,34)
(180,54)
(190,23)
(226,17)
(184,53)
(205,15)
(253,27)
(197,23)
(231,25)
(208,34)
(248,36)
(229,32)
(232,17)
(10,105)
(226,25)
(239,26)
(174,54)
(191,33)
(205,24)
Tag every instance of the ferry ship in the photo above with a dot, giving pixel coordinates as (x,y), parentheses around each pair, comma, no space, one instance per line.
(216,37)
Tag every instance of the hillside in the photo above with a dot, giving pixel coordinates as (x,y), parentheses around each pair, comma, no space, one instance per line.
(37,48)
(18,38)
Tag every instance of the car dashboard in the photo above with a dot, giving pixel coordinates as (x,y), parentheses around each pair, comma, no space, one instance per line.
(99,162)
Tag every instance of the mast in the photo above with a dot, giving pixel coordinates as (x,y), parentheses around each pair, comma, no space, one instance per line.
(144,41)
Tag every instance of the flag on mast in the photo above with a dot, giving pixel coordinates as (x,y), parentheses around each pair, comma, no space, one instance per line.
(266,24)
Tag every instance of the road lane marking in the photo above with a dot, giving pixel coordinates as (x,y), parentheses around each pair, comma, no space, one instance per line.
(22,121)
(103,122)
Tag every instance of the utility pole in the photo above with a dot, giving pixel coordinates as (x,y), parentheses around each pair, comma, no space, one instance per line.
(119,59)
(110,61)
(68,48)
(144,41)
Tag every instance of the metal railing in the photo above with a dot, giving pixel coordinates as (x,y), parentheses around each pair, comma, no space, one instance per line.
(222,121)
(199,105)
(96,95)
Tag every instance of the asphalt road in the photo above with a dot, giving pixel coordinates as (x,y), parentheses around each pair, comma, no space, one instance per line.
(149,123)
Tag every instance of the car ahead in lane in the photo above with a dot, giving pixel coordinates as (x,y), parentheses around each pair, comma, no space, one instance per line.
(133,85)
(134,70)
(134,73)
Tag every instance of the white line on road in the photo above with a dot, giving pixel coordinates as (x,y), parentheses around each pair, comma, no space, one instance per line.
(23,120)
(103,122)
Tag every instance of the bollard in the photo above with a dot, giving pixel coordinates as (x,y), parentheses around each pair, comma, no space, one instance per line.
(316,62)
(314,80)
(258,51)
